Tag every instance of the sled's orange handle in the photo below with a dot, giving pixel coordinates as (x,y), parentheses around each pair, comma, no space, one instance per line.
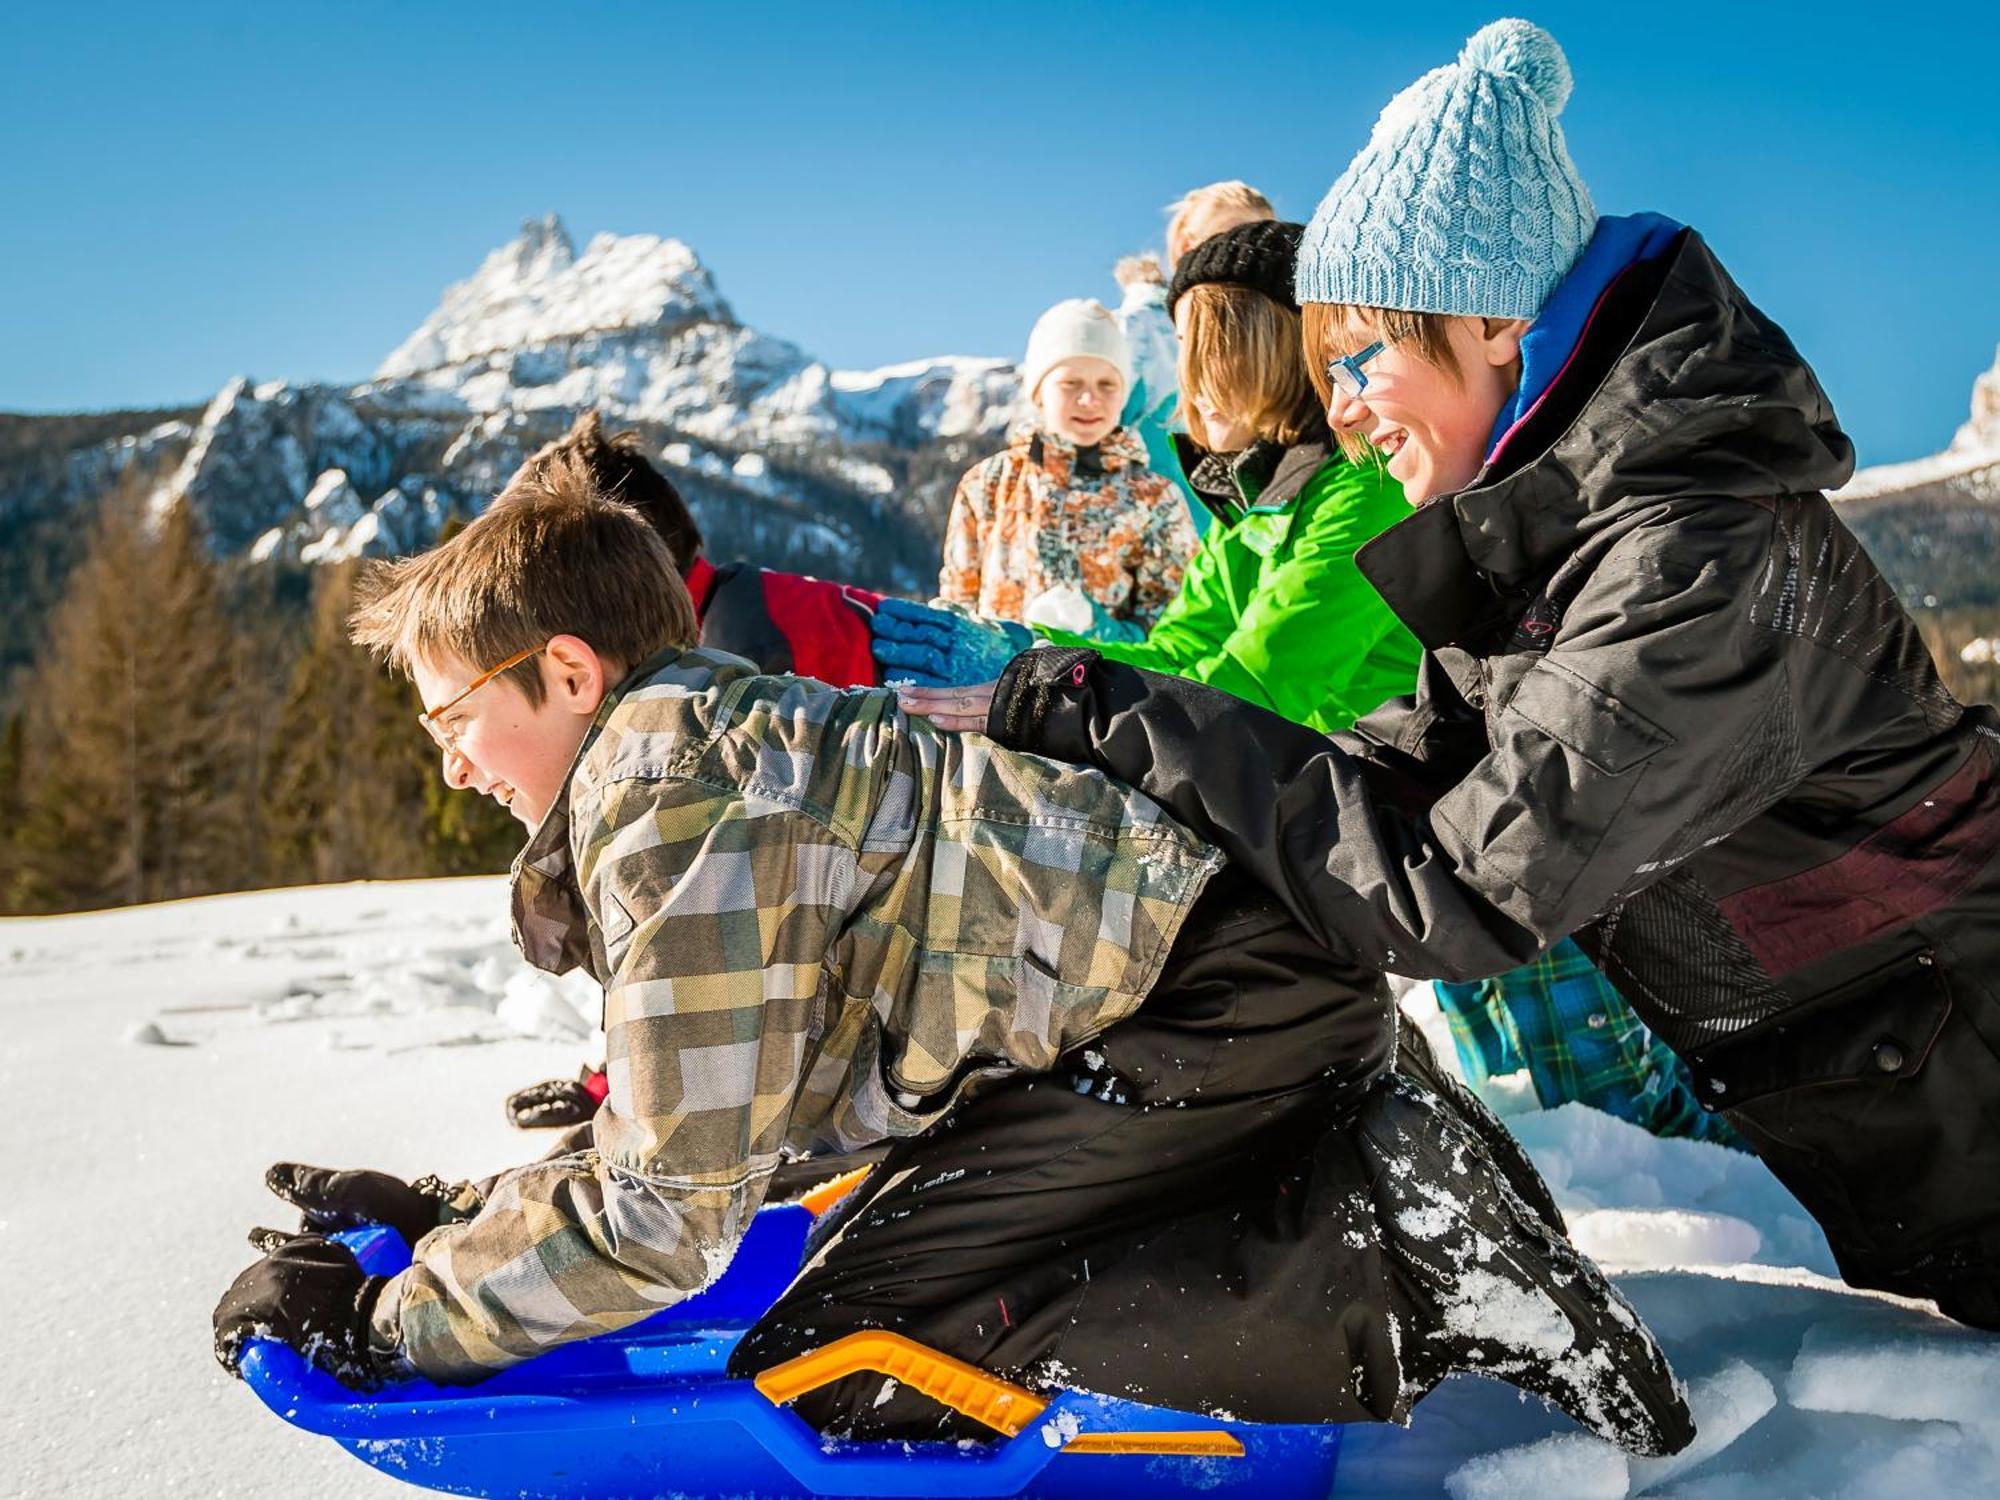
(823,1197)
(967,1390)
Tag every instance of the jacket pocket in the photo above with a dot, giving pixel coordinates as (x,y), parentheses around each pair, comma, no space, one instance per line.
(1855,1099)
(1584,719)
(1566,759)
(971,1014)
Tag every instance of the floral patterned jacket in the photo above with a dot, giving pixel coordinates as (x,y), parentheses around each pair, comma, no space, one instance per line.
(1046,515)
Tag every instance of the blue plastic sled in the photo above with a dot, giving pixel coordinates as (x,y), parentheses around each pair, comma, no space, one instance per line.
(652,1412)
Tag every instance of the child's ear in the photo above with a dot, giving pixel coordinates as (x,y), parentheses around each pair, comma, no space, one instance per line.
(1500,340)
(582,677)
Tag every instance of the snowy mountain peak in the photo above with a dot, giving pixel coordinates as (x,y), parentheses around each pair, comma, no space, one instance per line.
(1982,432)
(1974,451)
(536,288)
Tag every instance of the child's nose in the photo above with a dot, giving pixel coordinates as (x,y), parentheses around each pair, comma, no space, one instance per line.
(1345,413)
(457,771)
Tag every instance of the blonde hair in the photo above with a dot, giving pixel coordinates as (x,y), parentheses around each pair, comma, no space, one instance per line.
(1328,330)
(1204,212)
(1240,351)
(551,556)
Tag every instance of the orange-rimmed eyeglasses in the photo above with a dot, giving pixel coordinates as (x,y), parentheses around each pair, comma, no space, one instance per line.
(431,718)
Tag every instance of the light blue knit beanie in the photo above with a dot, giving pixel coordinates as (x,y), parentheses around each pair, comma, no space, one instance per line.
(1464,200)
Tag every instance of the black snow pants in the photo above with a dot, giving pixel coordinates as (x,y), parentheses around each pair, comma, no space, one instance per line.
(1198,1210)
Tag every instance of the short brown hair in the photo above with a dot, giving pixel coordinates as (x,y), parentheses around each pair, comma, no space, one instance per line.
(619,468)
(1241,350)
(1327,330)
(1203,212)
(551,556)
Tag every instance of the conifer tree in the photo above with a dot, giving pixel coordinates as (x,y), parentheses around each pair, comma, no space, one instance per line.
(345,797)
(134,791)
(13,740)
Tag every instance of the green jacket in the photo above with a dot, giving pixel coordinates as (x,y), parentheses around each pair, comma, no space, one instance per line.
(815,920)
(1272,609)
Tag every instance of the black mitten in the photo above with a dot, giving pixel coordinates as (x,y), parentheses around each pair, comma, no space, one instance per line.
(329,1201)
(555,1103)
(309,1293)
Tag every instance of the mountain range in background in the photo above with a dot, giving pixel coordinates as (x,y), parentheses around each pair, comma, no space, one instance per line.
(1933,525)
(786,461)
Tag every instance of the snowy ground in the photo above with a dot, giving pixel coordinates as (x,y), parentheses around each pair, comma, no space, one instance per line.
(156,1060)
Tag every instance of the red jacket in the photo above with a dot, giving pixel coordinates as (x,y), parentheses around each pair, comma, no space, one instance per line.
(786,622)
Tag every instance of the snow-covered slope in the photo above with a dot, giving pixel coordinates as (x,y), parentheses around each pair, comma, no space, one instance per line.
(159,1058)
(636,328)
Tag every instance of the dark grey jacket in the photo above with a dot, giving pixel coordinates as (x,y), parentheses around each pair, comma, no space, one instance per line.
(1669,705)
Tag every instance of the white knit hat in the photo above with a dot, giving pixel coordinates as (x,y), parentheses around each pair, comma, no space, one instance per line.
(1077,325)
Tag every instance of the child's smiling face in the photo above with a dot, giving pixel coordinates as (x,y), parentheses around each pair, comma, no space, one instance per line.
(502,746)
(1080,398)
(1432,423)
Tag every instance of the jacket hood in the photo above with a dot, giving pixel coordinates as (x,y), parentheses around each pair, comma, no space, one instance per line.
(1119,449)
(1678,386)
(1267,475)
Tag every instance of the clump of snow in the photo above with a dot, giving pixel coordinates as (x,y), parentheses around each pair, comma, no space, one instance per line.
(1663,1236)
(1573,1466)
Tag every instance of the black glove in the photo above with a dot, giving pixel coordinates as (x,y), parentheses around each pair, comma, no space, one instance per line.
(556,1102)
(329,1201)
(309,1293)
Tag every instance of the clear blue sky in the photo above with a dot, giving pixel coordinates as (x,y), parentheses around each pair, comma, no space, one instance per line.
(190,191)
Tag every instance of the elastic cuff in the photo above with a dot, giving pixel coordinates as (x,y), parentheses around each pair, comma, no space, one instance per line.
(381,1326)
(1028,688)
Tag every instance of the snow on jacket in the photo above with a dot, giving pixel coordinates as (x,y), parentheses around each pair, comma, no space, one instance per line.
(1668,704)
(1045,514)
(815,920)
(1273,608)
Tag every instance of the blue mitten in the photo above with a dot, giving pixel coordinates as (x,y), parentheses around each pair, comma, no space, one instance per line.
(937,648)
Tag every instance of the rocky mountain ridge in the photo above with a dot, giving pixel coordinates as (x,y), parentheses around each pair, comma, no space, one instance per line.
(782,457)
(1933,524)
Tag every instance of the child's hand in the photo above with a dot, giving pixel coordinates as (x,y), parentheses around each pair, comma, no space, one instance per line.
(311,1294)
(331,1201)
(938,648)
(959,710)
(557,1101)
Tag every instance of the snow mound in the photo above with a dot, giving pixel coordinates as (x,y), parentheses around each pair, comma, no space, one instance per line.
(1574,1467)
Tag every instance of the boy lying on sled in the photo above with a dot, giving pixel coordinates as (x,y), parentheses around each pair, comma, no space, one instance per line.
(1148,1137)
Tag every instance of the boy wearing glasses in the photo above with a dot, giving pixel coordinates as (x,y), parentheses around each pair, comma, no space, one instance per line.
(1107,1064)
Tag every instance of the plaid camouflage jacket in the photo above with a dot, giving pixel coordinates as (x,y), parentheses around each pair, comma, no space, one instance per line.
(815,920)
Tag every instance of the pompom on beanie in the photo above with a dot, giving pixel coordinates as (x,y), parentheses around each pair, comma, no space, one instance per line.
(1262,256)
(1078,325)
(1464,200)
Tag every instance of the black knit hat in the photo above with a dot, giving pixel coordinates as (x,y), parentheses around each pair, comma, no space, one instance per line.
(1259,255)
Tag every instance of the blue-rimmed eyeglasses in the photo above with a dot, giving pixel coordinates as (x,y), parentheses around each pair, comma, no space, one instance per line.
(1346,375)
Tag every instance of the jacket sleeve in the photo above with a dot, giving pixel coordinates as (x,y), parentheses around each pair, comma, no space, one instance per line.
(1165,545)
(958,575)
(1599,775)
(715,941)
(1307,628)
